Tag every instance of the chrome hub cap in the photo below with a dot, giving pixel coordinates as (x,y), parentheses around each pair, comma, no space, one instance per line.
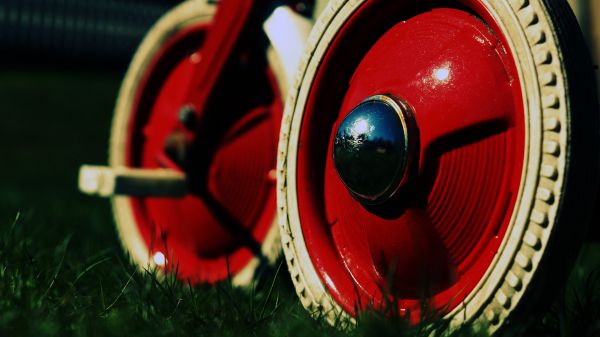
(371,149)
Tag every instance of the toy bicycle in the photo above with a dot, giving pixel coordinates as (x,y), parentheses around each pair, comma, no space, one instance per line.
(437,152)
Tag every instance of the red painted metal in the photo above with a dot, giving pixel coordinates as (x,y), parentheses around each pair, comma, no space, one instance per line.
(224,35)
(440,233)
(211,235)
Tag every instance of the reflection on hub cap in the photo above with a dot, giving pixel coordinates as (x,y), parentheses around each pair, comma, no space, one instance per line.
(370,150)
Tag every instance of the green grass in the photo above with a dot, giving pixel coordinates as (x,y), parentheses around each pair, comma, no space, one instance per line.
(50,289)
(63,273)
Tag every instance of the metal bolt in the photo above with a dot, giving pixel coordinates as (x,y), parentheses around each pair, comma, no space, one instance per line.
(371,149)
(176,147)
(187,116)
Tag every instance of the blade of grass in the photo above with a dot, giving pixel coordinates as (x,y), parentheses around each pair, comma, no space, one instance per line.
(90,267)
(62,249)
(119,295)
(262,311)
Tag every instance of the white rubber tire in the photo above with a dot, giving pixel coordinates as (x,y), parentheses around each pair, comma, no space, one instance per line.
(554,177)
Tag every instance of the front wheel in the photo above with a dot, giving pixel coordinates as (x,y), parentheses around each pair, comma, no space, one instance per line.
(438,151)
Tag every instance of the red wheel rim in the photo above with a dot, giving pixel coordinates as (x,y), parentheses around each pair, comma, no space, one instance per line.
(451,64)
(185,234)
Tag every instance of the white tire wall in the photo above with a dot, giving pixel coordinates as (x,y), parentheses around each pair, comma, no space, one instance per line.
(560,170)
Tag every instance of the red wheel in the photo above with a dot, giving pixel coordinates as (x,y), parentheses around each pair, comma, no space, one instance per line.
(443,151)
(227,228)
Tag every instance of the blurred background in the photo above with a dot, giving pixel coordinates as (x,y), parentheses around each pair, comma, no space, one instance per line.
(61,63)
(91,32)
(588,15)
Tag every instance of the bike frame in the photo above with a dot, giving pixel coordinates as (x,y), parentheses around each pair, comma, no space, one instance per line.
(233,19)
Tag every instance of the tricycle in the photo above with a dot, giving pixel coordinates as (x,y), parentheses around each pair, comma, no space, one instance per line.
(437,156)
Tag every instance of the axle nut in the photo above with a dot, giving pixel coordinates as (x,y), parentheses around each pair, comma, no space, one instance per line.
(371,149)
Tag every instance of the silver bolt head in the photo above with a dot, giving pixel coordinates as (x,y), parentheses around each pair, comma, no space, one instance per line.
(370,149)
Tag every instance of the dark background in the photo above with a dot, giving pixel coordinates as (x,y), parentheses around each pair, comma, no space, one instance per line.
(61,63)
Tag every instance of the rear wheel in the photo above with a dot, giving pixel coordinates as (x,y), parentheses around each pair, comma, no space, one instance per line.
(223,227)
(446,151)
